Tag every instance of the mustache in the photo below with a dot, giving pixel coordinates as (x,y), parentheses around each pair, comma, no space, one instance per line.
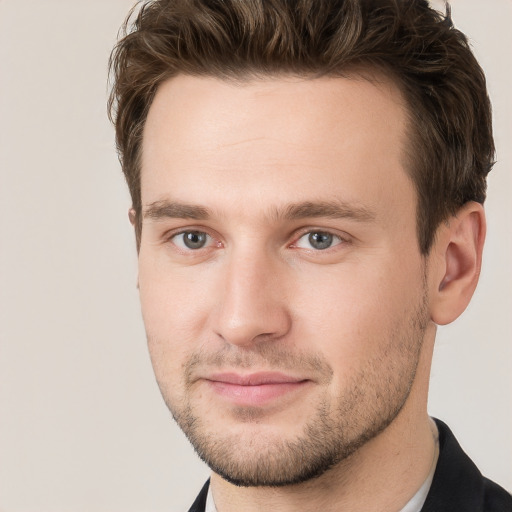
(264,356)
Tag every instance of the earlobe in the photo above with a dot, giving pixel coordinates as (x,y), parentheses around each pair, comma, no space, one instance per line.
(457,263)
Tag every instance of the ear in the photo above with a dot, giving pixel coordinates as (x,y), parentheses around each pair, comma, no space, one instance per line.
(132,216)
(456,263)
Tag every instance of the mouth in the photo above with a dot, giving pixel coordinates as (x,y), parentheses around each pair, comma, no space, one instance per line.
(255,389)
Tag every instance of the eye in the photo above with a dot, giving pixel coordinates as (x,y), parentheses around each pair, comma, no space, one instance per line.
(191,240)
(318,240)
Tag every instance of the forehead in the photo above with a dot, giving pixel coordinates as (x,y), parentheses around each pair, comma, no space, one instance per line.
(311,138)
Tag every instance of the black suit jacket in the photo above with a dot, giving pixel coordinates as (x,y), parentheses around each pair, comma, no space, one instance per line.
(457,486)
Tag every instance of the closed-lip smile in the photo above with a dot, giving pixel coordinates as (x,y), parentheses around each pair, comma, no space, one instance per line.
(254,389)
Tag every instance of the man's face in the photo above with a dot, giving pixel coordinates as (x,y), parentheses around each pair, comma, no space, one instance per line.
(282,288)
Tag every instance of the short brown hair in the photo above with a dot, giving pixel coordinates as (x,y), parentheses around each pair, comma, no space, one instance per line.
(451,147)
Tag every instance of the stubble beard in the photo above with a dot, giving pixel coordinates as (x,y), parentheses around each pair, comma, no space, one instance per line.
(369,404)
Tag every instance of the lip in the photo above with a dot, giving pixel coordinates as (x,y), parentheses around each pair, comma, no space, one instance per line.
(255,389)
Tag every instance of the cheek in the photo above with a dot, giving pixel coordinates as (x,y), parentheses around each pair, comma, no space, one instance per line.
(171,298)
(171,309)
(352,312)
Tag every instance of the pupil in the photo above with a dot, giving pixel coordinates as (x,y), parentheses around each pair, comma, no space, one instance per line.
(194,239)
(320,240)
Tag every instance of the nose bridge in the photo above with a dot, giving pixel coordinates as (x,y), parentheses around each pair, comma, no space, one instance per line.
(253,304)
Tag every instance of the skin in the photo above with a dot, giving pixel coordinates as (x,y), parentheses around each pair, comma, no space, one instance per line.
(352,325)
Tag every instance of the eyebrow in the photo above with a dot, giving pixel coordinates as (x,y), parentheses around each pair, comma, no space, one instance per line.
(327,209)
(170,209)
(308,209)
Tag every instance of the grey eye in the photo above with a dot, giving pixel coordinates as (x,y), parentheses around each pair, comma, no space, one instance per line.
(191,239)
(319,240)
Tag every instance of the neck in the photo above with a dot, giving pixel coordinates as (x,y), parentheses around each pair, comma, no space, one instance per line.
(382,476)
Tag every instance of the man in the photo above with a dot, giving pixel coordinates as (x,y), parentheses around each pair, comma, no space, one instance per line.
(307,181)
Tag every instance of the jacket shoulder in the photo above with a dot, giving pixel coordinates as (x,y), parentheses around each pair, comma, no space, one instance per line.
(200,503)
(496,499)
(458,485)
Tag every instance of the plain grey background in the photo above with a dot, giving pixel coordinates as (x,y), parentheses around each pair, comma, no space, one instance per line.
(82,424)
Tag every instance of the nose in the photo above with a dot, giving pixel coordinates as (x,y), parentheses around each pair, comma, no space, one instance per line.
(253,305)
